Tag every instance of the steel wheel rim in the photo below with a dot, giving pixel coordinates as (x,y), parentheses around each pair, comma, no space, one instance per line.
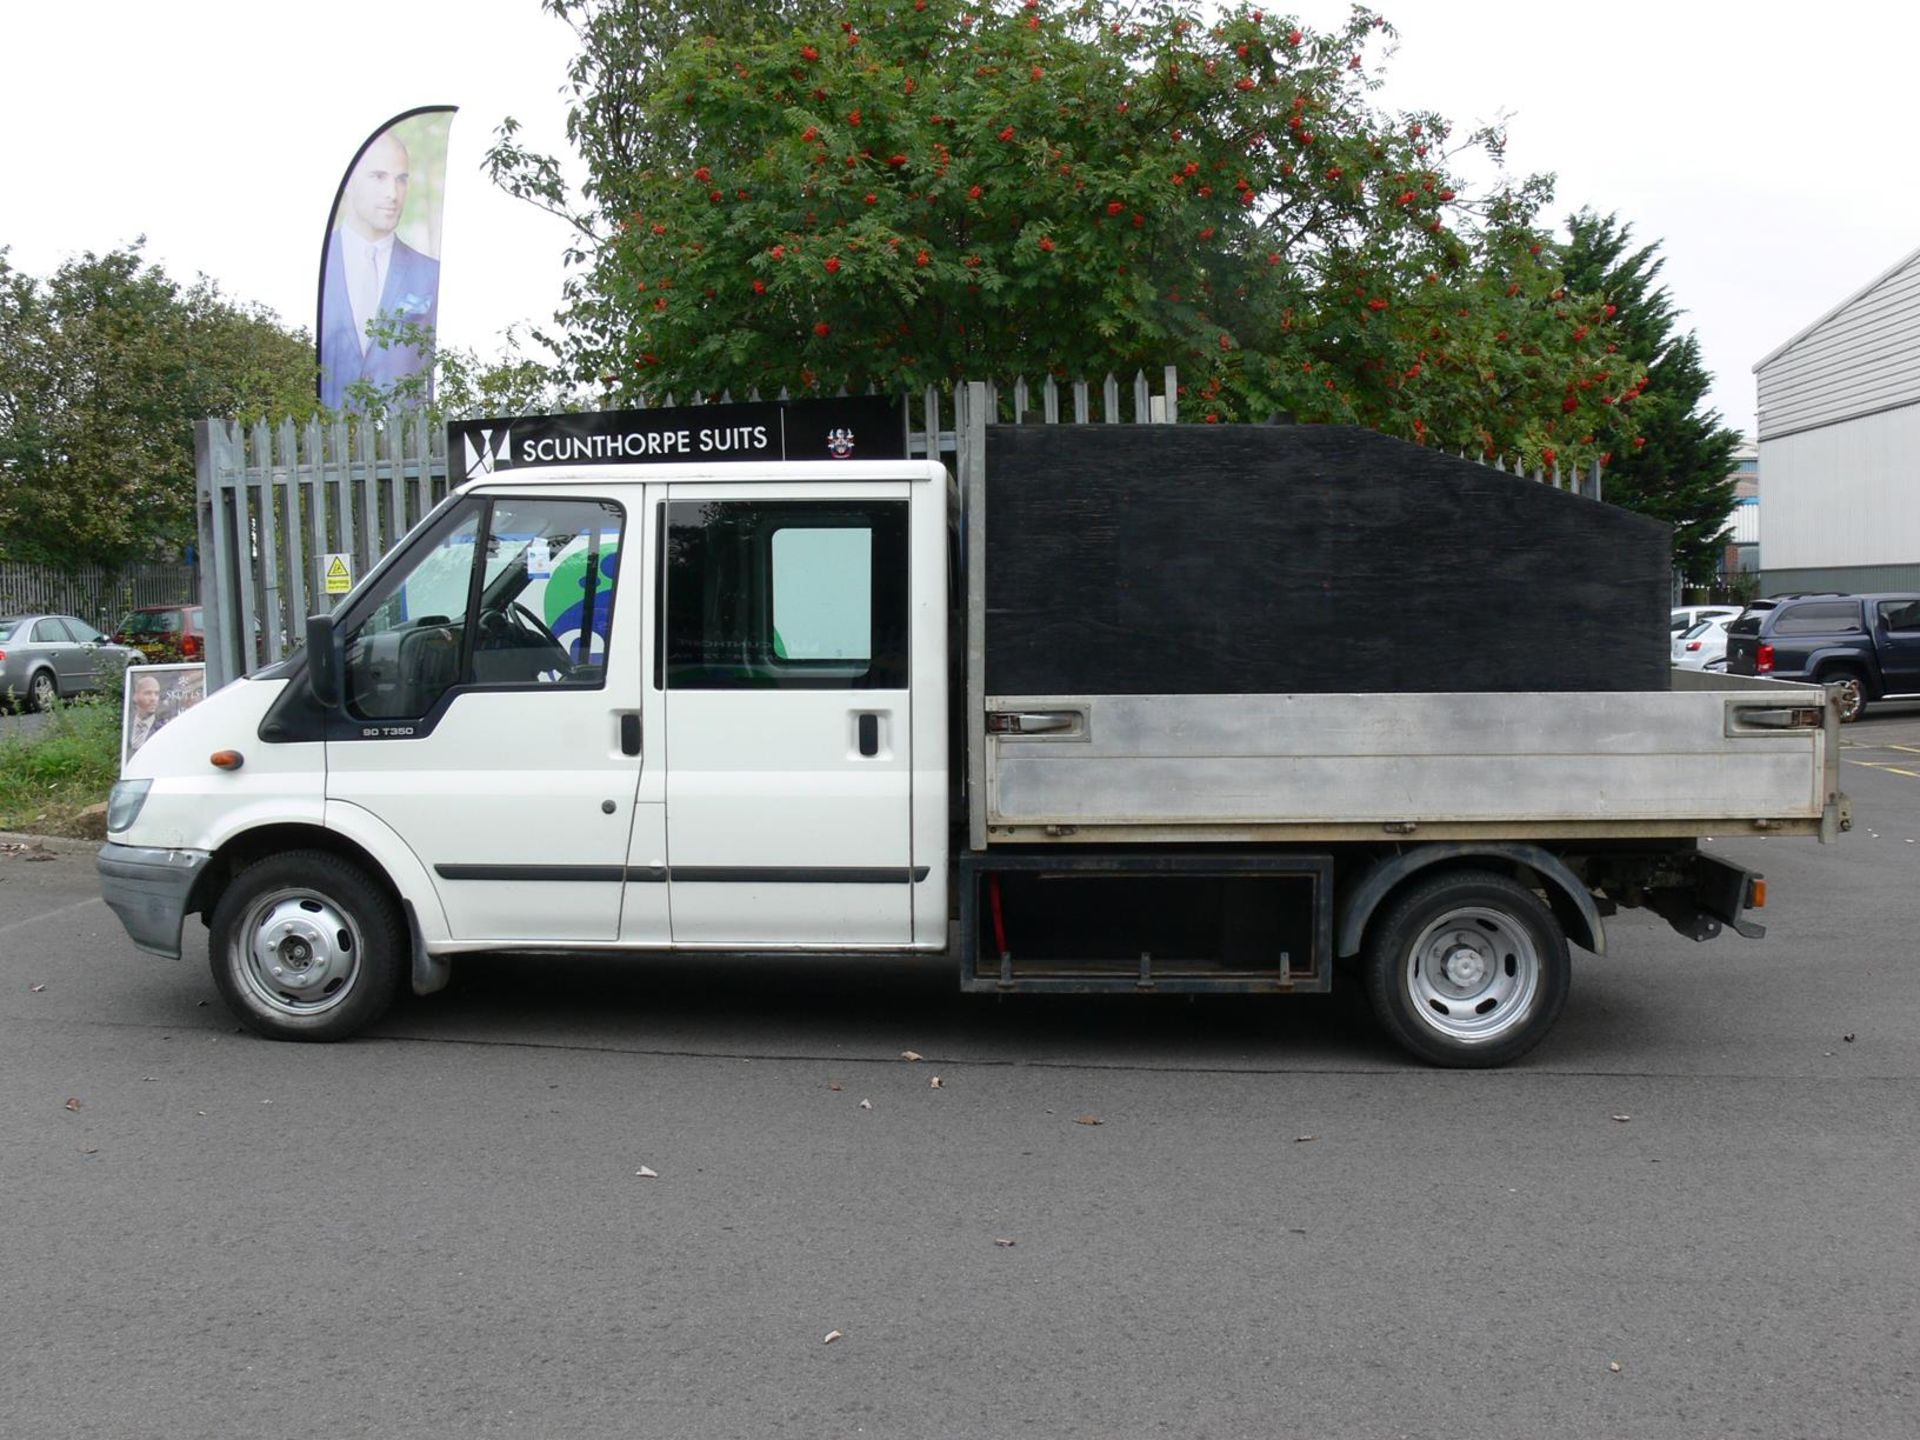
(298,953)
(43,691)
(1473,974)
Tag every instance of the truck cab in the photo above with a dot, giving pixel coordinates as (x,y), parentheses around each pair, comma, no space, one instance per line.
(486,725)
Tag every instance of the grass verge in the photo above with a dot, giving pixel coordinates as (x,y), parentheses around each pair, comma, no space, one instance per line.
(70,762)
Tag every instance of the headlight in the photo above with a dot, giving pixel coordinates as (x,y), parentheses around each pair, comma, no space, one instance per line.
(123,805)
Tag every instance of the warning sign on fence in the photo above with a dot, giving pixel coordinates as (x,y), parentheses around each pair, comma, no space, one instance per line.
(337,571)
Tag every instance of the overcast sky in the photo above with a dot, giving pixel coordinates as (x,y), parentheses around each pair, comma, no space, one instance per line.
(1767,147)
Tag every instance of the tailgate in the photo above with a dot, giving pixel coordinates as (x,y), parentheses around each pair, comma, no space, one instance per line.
(1743,645)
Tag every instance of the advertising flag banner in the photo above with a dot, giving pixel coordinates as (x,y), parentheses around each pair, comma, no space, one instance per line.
(380,265)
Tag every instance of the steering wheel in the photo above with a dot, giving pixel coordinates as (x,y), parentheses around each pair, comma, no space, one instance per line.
(527,622)
(516,628)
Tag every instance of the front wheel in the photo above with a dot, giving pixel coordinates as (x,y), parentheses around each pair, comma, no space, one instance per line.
(305,946)
(1467,969)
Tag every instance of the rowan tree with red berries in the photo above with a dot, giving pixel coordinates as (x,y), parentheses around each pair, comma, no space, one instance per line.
(909,192)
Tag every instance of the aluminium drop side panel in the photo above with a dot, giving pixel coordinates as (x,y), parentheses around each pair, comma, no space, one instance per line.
(1220,767)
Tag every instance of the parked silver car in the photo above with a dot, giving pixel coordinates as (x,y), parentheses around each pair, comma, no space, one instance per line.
(45,658)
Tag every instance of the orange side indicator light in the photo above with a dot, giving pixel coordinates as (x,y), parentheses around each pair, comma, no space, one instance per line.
(1759,888)
(227,759)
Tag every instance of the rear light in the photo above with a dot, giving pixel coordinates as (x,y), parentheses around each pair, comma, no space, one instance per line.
(1763,659)
(1693,645)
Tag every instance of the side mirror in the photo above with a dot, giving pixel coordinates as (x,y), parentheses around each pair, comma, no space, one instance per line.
(323,661)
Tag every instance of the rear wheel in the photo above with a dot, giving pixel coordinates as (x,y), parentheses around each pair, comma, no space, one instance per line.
(305,946)
(43,691)
(1467,969)
(1852,686)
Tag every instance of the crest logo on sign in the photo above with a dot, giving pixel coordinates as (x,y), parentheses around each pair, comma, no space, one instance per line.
(840,442)
(485,452)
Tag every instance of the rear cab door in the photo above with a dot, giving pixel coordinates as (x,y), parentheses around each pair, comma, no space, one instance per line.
(804,676)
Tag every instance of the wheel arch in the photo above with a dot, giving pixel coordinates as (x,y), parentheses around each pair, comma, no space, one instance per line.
(1570,901)
(1826,662)
(430,973)
(243,849)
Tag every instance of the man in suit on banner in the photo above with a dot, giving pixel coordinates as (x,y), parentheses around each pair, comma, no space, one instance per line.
(372,274)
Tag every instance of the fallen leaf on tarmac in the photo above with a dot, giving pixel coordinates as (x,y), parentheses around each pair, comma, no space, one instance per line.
(1614,1366)
(911,1055)
(38,988)
(90,1150)
(832,1335)
(647,1172)
(833,1085)
(1089,1120)
(72,1103)
(866,1104)
(1003,1242)
(934,1084)
(1623,1118)
(1304,1139)
(1848,1037)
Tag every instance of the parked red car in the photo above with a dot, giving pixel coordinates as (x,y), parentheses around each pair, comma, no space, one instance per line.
(165,634)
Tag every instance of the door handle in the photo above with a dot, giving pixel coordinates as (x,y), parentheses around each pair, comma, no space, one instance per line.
(869,734)
(630,734)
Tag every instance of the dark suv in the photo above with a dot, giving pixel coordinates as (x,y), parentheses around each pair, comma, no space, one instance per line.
(1870,644)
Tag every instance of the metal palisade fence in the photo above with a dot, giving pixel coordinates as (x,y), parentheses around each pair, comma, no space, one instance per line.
(95,593)
(277,504)
(281,506)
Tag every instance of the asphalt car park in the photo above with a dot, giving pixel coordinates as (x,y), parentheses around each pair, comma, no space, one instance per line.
(582,1197)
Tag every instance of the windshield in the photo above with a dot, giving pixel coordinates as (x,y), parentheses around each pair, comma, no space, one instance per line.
(8,625)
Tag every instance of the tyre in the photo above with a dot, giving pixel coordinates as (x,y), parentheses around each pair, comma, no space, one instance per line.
(1853,692)
(306,946)
(1467,969)
(43,691)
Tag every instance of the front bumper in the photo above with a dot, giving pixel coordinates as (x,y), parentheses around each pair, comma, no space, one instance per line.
(148,890)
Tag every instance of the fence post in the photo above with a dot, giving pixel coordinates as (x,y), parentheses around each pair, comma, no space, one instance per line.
(290,490)
(204,462)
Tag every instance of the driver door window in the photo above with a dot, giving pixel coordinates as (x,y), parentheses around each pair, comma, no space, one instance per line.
(515,593)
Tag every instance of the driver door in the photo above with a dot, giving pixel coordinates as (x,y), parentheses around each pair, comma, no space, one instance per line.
(487,676)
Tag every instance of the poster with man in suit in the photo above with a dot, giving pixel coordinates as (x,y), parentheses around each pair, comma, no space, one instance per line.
(380,269)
